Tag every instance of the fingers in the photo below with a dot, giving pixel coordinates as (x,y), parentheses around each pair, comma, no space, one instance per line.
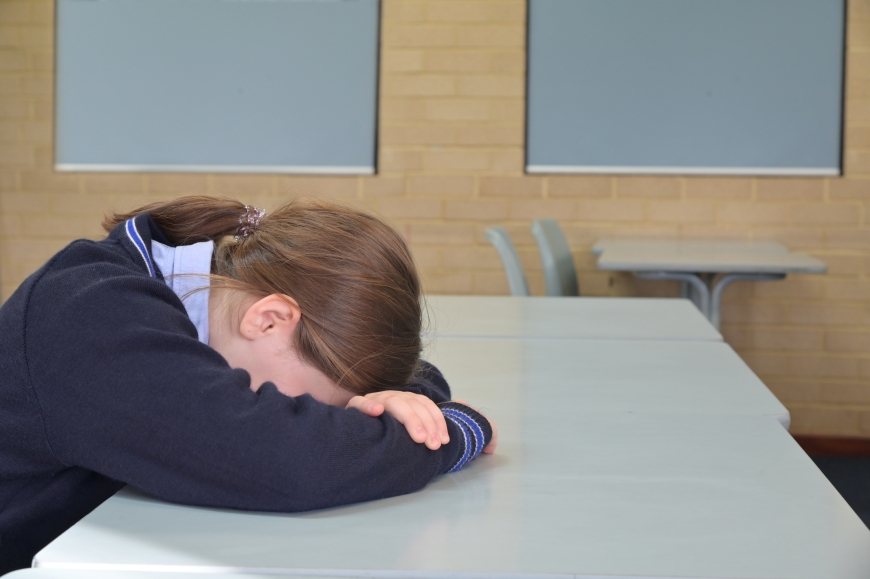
(366,406)
(438,417)
(412,412)
(405,413)
(493,442)
(421,417)
(433,421)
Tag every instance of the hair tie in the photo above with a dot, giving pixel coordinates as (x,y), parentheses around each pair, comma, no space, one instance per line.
(249,221)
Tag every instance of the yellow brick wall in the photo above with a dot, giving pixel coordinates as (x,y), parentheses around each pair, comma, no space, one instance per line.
(451,165)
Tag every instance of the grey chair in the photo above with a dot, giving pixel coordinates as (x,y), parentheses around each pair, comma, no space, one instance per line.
(510,260)
(560,277)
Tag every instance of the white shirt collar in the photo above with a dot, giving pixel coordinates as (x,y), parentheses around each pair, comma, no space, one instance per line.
(186,268)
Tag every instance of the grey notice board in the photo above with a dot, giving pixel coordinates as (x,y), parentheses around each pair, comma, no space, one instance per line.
(286,86)
(685,86)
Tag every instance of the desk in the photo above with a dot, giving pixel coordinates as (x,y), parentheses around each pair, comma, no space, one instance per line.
(696,267)
(609,376)
(714,262)
(569,495)
(550,317)
(94,574)
(670,244)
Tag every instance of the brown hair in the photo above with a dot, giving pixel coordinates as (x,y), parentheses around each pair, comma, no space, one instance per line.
(351,274)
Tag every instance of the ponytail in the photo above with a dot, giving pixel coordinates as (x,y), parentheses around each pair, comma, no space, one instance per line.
(188,219)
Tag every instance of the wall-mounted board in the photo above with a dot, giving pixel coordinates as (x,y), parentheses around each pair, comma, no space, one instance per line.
(685,86)
(287,86)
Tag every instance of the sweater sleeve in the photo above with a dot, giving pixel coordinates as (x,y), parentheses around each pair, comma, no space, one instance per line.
(127,390)
(429,382)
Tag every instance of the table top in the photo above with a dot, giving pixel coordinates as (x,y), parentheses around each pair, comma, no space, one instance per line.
(568,495)
(695,261)
(558,317)
(671,244)
(600,376)
(40,573)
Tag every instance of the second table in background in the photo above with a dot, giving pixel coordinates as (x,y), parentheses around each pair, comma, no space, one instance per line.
(548,317)
(610,376)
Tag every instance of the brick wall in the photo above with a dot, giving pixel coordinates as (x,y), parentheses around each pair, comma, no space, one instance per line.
(451,165)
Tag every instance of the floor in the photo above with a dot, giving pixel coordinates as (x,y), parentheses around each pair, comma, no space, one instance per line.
(851,477)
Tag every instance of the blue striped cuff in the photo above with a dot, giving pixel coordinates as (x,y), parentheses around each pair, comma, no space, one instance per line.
(466,452)
(475,428)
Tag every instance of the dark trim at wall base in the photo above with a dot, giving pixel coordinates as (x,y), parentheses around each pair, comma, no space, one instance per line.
(834,446)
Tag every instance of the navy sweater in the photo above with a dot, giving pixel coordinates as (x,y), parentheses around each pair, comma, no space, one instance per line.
(104,382)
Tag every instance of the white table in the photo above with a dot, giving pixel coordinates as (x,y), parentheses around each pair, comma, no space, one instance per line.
(114,574)
(569,495)
(617,457)
(551,317)
(714,262)
(669,244)
(609,376)
(696,266)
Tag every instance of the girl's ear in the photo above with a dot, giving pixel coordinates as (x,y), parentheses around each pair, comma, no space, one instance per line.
(271,316)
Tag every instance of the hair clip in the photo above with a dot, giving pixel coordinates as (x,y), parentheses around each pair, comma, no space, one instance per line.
(249,221)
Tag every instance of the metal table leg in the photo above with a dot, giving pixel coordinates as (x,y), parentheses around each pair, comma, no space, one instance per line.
(691,286)
(725,281)
(703,292)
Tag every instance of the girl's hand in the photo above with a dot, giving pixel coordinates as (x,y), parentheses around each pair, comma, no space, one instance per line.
(421,417)
(490,448)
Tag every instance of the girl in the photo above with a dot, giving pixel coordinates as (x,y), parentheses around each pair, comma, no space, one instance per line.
(283,385)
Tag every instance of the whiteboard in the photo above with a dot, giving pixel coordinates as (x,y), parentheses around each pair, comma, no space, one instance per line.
(287,86)
(685,86)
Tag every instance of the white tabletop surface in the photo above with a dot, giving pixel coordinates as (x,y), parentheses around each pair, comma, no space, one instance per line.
(568,495)
(691,377)
(40,573)
(556,317)
(670,244)
(689,260)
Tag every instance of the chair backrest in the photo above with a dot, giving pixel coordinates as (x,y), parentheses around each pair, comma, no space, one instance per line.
(560,277)
(510,260)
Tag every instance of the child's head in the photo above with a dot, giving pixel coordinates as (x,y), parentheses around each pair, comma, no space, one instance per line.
(351,275)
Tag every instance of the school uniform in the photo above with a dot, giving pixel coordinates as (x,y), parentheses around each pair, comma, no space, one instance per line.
(106,380)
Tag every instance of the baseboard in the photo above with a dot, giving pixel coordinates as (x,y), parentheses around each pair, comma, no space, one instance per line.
(834,445)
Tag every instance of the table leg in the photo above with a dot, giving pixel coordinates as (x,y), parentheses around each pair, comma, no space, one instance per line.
(696,289)
(725,281)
